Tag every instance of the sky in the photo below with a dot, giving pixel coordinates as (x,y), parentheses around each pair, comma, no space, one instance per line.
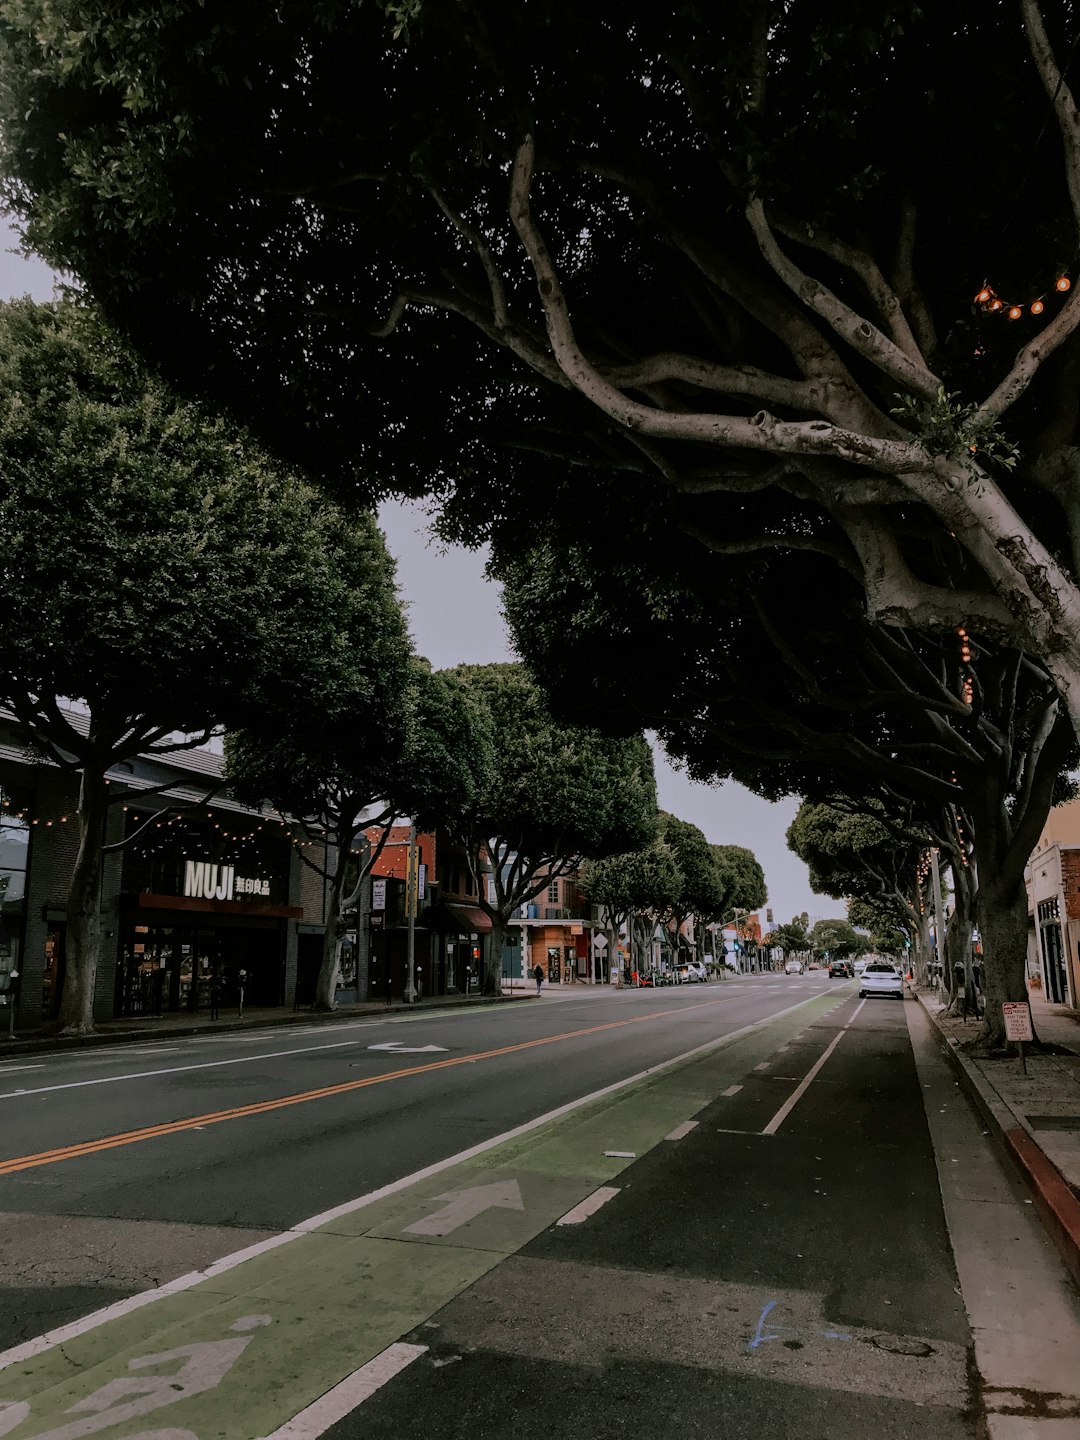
(455,619)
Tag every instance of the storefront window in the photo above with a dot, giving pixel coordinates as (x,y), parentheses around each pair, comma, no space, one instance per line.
(14,858)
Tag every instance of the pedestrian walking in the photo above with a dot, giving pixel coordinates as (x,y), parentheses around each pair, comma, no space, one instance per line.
(538,976)
(215,996)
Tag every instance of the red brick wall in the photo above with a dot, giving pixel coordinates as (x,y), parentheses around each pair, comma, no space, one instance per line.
(1070,882)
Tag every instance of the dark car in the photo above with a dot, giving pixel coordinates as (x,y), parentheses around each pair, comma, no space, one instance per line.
(842,969)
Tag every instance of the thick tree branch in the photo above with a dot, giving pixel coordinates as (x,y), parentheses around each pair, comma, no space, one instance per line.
(895,597)
(742,380)
(1061,97)
(866,339)
(866,268)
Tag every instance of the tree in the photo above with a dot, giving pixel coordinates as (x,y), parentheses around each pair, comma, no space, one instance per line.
(798,693)
(853,854)
(554,796)
(423,760)
(741,877)
(886,922)
(719,256)
(642,882)
(835,939)
(159,570)
(792,938)
(701,893)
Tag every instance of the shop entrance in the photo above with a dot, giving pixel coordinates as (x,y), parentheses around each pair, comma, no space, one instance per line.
(170,968)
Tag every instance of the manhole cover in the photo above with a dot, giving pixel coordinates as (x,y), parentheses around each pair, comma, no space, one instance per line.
(898,1345)
(1053,1122)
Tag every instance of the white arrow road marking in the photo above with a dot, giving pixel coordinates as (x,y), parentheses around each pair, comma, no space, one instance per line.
(397,1048)
(464,1205)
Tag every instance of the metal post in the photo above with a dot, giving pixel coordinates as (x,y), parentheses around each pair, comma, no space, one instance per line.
(410,909)
(939,927)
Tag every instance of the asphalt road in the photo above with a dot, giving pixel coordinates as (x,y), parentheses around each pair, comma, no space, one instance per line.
(133,1214)
(749,1241)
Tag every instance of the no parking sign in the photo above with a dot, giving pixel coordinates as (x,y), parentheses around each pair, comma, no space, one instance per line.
(1017,1016)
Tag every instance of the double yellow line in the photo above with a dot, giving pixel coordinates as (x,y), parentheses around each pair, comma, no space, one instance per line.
(264,1107)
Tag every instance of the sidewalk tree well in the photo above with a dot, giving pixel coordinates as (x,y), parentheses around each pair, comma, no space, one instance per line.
(554,796)
(394,740)
(719,251)
(158,571)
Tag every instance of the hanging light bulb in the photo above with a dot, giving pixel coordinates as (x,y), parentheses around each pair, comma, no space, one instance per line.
(1015,312)
(1062,283)
(1037,307)
(983,295)
(996,305)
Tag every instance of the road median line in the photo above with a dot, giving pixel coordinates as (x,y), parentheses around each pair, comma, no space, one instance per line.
(181,1284)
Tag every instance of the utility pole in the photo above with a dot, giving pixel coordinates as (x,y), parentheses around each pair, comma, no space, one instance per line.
(411,875)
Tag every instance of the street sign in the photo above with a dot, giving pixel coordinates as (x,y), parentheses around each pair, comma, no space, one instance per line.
(378,895)
(1017,1015)
(599,942)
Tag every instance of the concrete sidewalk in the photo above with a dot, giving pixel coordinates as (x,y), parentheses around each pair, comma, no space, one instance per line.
(1035,1117)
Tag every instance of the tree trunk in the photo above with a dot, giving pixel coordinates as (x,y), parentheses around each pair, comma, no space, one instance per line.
(326,984)
(1003,927)
(83,941)
(493,974)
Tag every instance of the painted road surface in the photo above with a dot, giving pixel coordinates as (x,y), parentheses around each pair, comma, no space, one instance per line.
(242,1348)
(748,1242)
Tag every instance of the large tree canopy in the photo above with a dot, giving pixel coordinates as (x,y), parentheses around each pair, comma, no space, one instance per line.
(724,255)
(161,570)
(553,796)
(394,740)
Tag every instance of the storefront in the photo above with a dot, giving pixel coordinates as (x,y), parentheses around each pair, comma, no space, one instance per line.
(202,911)
(14,863)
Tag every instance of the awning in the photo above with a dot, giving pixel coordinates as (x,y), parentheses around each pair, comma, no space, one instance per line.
(452,919)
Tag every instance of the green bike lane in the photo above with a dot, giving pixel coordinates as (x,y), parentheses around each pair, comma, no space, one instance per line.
(238,1350)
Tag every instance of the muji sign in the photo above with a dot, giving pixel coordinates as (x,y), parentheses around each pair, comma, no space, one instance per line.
(205,881)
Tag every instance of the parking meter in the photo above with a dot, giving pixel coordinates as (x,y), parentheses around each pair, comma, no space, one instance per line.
(9,995)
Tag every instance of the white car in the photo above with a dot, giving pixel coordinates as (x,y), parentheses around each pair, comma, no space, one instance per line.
(793,967)
(860,966)
(881,979)
(695,971)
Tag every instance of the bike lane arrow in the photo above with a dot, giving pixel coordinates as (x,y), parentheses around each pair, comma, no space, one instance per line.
(464,1205)
(397,1048)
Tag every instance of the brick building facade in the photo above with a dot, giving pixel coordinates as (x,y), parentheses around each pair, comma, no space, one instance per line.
(1052,879)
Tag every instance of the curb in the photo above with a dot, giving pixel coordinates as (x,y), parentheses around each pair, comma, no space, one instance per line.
(12,1049)
(1056,1202)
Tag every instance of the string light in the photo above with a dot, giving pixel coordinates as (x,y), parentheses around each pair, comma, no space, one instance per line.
(990,301)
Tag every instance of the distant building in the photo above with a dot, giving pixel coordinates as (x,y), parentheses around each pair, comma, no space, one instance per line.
(1052,880)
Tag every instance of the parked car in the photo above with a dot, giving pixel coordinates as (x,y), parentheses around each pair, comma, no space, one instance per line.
(840,969)
(793,967)
(881,979)
(696,972)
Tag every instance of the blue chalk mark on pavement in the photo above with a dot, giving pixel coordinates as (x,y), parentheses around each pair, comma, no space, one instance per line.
(764,1332)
